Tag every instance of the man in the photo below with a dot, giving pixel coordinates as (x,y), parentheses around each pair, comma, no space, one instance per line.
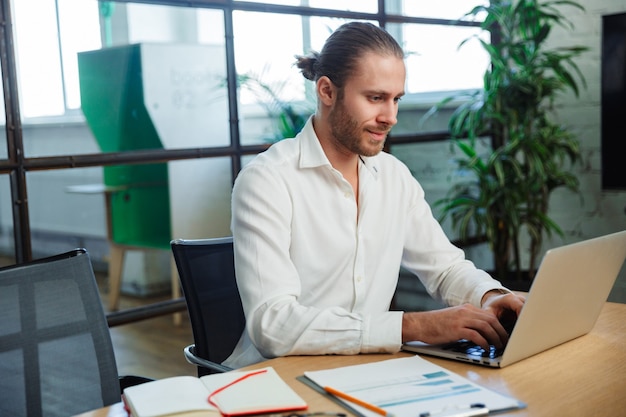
(322,223)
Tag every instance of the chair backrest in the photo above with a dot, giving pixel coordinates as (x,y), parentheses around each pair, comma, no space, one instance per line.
(56,354)
(207,273)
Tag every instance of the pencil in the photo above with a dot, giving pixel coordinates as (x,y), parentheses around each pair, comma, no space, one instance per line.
(357,401)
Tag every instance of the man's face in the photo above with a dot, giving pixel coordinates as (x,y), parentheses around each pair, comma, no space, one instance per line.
(367,106)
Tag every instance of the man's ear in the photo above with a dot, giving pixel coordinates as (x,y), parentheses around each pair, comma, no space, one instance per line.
(326,91)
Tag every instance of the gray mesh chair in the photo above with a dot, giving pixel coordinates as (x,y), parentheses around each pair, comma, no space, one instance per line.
(207,274)
(56,354)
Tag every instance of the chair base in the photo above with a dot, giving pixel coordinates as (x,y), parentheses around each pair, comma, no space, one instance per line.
(203,364)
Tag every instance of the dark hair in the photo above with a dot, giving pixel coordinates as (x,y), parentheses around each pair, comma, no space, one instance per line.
(343,48)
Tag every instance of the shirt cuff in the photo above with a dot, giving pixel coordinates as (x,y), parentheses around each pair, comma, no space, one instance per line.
(501,290)
(382,333)
(484,287)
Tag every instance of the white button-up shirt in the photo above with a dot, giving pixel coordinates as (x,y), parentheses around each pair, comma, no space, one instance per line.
(316,272)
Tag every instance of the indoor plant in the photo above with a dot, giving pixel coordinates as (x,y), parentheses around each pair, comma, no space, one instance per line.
(288,117)
(507,191)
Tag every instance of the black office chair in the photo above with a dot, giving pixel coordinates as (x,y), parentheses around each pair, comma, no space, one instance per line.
(207,273)
(56,354)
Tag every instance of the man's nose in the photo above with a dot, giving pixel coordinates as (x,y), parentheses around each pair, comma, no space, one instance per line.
(389,114)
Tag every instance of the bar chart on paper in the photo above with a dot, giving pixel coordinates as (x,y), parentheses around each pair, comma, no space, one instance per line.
(409,387)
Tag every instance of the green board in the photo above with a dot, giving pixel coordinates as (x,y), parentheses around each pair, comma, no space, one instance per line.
(112,96)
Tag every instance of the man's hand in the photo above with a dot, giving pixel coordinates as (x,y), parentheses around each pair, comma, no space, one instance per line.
(506,307)
(489,325)
(481,326)
(498,300)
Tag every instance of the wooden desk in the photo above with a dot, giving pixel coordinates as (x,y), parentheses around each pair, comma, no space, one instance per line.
(584,377)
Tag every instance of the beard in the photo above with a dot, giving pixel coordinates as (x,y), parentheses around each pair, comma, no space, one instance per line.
(350,135)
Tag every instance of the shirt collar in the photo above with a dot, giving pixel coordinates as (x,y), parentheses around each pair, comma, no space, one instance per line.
(372,163)
(311,153)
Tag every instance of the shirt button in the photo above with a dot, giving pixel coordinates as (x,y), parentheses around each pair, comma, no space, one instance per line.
(347,195)
(359,279)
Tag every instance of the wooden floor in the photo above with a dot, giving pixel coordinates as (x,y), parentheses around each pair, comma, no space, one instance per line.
(153,347)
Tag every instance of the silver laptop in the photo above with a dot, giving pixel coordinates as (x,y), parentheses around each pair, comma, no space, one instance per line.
(569,290)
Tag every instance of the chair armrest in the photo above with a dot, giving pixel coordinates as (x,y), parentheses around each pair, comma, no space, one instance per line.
(191,357)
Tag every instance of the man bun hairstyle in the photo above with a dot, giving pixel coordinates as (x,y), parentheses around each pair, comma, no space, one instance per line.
(307,65)
(343,48)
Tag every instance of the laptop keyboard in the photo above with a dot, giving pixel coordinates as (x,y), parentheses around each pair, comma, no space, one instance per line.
(471,348)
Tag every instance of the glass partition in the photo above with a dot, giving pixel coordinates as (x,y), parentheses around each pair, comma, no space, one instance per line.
(3,132)
(7,251)
(157,80)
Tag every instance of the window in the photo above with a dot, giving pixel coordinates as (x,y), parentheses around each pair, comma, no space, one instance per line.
(48,34)
(434,61)
(449,9)
(366,6)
